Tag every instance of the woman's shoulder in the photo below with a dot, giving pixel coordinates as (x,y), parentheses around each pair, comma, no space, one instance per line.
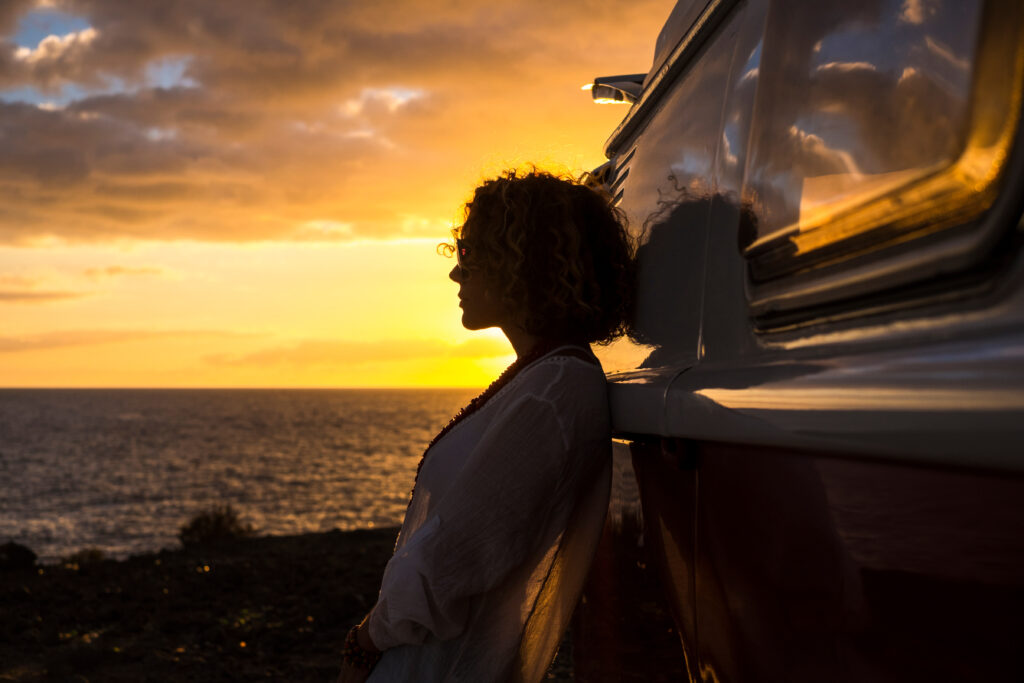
(568,373)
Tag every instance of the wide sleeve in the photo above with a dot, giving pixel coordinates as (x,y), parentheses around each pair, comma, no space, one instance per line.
(488,523)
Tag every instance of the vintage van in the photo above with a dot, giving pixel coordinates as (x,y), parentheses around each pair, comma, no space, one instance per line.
(820,421)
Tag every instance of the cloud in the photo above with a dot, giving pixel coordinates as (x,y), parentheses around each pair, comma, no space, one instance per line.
(845,67)
(324,231)
(278,115)
(371,99)
(73,338)
(345,352)
(917,11)
(9,280)
(10,12)
(32,289)
(54,49)
(817,158)
(36,297)
(117,271)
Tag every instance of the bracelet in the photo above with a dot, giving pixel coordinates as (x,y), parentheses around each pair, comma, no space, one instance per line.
(356,655)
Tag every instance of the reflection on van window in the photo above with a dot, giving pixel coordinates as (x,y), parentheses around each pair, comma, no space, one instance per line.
(854,102)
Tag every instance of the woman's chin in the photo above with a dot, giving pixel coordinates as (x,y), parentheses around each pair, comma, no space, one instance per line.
(471,323)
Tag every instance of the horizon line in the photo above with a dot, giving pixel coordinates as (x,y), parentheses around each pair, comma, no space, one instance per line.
(235,388)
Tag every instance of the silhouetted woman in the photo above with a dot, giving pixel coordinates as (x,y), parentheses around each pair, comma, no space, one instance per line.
(511,495)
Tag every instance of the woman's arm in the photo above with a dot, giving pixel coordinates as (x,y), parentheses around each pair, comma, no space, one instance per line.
(363,636)
(353,671)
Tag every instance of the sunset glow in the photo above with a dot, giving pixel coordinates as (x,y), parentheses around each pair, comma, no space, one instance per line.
(250,194)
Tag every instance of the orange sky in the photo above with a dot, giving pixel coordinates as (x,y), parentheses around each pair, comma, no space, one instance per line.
(249,193)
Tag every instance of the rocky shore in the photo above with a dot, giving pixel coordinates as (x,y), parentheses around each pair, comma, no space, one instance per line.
(262,608)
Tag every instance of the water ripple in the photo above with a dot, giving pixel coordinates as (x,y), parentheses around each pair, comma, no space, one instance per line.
(122,470)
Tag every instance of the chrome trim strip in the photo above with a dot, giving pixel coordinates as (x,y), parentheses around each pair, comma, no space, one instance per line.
(957,404)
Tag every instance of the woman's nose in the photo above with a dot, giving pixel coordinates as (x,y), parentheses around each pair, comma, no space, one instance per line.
(456,274)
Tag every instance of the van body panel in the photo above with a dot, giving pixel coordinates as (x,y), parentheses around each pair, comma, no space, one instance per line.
(815,568)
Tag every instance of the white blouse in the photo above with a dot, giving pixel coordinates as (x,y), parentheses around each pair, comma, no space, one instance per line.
(499,536)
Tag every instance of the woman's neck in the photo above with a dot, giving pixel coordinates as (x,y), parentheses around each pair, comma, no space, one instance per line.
(524,343)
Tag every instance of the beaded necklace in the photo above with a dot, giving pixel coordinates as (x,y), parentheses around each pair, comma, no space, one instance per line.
(477,403)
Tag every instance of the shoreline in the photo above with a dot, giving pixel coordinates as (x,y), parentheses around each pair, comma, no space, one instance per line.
(264,607)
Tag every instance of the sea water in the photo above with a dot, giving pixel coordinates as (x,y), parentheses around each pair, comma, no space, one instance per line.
(123,470)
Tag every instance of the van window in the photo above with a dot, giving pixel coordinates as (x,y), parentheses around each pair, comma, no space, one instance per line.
(875,121)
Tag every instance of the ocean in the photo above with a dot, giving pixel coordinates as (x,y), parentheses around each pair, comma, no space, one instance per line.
(122,470)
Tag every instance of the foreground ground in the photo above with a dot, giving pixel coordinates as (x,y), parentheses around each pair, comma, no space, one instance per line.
(272,608)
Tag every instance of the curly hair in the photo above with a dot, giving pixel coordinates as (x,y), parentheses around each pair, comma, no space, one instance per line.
(555,250)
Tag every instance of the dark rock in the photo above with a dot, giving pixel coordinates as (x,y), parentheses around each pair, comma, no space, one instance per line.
(16,557)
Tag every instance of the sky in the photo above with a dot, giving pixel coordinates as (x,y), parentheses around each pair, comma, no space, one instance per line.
(249,193)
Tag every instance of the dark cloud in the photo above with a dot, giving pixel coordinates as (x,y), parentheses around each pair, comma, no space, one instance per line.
(290,112)
(10,12)
(36,297)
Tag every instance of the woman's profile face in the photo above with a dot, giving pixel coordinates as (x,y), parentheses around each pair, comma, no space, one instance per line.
(480,307)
